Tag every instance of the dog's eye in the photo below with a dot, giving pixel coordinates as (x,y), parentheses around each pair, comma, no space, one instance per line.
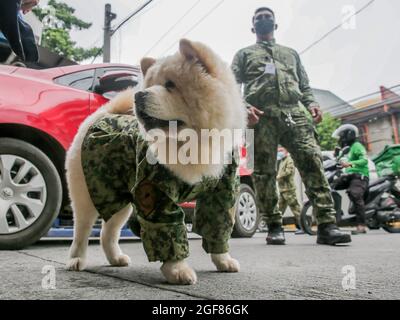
(169,85)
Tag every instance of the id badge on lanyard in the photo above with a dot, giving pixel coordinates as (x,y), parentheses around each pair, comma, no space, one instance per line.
(270,68)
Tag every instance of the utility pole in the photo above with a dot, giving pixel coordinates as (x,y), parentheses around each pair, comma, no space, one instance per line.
(108,17)
(108,32)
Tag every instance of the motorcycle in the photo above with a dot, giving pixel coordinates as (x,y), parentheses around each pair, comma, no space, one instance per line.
(382,204)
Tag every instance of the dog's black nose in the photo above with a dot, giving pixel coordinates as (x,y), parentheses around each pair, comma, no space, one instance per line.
(140,98)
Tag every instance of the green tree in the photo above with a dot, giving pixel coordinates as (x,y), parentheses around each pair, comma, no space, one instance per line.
(325,130)
(58,19)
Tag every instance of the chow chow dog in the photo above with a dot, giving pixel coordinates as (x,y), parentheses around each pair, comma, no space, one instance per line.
(197,90)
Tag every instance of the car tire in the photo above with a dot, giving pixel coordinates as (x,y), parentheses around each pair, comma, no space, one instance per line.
(46,193)
(247,215)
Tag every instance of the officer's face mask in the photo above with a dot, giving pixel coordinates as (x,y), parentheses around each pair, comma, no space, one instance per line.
(343,143)
(264,26)
(281,155)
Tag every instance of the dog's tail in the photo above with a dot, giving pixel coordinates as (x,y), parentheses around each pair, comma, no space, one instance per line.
(123,103)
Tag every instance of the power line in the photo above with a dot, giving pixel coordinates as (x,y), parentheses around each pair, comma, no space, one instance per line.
(337,27)
(171,28)
(152,7)
(375,105)
(149,8)
(395,89)
(139,10)
(100,49)
(131,16)
(374,93)
(97,54)
(195,25)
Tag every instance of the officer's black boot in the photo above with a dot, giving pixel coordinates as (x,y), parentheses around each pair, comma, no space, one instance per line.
(330,234)
(276,236)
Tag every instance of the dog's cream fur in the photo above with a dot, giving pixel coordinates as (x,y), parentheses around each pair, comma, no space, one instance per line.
(206,97)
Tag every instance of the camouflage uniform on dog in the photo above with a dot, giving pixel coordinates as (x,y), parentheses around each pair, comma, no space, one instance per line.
(275,81)
(117,174)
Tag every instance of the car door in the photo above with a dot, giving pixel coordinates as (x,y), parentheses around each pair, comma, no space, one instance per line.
(77,99)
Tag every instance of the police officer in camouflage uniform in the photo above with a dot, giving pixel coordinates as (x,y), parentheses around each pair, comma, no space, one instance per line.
(276,90)
(118,173)
(287,187)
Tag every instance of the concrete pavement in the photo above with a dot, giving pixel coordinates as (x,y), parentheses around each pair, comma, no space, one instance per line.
(299,270)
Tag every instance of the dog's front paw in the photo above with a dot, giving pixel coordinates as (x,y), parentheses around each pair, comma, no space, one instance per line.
(178,272)
(121,261)
(225,263)
(76,264)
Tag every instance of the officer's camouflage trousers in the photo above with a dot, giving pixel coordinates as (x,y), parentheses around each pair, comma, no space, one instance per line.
(289,199)
(290,128)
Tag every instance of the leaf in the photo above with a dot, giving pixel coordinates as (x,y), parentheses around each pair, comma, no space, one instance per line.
(57,38)
(325,130)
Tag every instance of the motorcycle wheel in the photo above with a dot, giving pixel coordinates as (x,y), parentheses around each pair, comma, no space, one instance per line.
(308,221)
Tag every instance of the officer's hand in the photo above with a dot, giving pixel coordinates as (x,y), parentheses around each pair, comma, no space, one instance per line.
(27,5)
(316,113)
(254,115)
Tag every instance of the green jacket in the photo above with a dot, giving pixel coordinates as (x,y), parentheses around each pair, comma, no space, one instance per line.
(358,158)
(289,85)
(286,174)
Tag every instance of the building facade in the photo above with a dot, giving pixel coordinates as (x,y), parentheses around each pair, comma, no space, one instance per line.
(379,121)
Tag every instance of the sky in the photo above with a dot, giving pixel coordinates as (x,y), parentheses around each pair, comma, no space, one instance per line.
(353,61)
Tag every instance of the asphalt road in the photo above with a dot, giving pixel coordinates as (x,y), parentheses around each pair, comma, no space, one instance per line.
(300,270)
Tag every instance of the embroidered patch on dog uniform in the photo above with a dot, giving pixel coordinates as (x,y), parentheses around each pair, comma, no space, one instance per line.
(146,196)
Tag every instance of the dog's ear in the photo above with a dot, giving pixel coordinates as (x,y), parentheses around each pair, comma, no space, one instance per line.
(199,53)
(146,63)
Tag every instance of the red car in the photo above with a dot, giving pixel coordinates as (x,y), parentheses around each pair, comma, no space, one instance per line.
(40,112)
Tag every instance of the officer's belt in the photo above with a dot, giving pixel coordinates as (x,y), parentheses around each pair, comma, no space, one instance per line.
(283,105)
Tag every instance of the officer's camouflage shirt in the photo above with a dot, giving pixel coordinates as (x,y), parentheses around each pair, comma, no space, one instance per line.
(288,86)
(117,174)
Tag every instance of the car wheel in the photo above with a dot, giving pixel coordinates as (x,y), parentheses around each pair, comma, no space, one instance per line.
(246,213)
(30,194)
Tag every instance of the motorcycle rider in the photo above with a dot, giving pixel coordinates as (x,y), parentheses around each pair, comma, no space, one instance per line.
(356,179)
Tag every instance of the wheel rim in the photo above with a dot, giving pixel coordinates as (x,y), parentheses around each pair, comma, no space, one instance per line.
(23,194)
(247,211)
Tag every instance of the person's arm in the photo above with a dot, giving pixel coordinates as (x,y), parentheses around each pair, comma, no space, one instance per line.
(308,99)
(238,67)
(361,155)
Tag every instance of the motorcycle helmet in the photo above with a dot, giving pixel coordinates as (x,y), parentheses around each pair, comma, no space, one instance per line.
(346,134)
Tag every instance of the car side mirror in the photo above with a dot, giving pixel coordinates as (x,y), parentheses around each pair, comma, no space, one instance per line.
(115,81)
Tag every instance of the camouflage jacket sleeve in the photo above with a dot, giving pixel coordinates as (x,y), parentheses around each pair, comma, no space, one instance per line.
(308,99)
(286,169)
(238,69)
